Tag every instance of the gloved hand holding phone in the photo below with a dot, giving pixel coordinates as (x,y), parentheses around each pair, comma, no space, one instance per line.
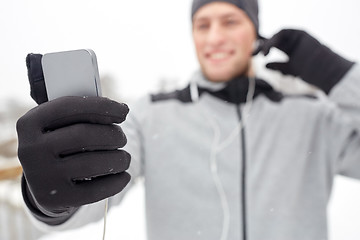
(69,149)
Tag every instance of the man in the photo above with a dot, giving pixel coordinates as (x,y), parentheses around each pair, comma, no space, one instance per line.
(228,157)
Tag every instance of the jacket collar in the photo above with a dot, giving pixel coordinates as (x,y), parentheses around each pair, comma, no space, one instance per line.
(235,90)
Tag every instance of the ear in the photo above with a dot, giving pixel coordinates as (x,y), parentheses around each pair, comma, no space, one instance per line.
(256,44)
(256,48)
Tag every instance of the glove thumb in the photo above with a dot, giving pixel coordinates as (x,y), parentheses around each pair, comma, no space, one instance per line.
(36,78)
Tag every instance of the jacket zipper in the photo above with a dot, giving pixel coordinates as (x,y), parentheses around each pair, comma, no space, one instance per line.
(243,176)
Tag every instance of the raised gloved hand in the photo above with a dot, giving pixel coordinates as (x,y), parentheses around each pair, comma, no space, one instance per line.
(69,151)
(308,58)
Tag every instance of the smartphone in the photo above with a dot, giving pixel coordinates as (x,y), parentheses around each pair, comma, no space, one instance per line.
(71,73)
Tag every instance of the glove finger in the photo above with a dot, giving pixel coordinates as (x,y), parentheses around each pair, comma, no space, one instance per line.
(89,166)
(100,188)
(263,46)
(71,110)
(286,40)
(36,78)
(62,190)
(278,66)
(79,138)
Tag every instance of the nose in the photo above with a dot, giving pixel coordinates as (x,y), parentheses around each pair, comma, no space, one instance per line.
(216,35)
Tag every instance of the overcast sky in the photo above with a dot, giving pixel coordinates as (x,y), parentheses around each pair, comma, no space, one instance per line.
(139,42)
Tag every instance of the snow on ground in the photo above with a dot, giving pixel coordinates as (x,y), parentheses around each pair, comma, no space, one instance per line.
(126,222)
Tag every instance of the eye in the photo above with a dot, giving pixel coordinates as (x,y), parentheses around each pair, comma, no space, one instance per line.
(231,22)
(202,26)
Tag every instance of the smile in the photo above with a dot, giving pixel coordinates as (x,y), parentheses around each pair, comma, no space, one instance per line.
(218,56)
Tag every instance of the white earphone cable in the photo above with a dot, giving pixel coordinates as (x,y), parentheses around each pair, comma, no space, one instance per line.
(105,217)
(218,146)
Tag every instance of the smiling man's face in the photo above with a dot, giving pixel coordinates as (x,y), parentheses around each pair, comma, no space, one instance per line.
(224,37)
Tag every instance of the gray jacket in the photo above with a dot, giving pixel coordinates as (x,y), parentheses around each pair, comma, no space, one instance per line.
(214,169)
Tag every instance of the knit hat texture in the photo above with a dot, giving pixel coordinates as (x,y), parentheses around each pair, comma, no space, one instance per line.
(249,6)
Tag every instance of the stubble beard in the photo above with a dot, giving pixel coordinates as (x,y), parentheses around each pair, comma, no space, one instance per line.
(246,71)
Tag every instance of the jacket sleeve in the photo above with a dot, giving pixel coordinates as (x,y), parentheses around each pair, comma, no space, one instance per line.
(346,96)
(94,212)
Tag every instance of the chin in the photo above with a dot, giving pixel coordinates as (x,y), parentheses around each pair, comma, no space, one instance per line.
(225,75)
(220,76)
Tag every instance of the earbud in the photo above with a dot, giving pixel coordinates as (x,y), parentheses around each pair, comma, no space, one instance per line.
(257,46)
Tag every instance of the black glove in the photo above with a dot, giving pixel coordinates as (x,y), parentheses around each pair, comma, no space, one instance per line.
(68,149)
(308,58)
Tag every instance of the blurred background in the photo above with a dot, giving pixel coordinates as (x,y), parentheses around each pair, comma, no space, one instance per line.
(142,46)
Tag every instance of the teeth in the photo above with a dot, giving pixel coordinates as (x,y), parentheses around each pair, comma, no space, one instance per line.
(218,56)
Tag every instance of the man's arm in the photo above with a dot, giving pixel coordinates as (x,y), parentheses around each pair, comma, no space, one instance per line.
(346,96)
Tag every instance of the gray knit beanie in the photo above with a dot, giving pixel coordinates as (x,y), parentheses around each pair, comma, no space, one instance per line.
(249,6)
